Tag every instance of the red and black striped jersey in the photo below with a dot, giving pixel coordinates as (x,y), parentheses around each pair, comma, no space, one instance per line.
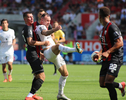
(108,38)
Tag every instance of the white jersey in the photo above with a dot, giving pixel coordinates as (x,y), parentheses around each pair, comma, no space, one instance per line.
(43,37)
(6,38)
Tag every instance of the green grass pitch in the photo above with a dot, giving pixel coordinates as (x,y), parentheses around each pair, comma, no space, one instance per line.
(82,83)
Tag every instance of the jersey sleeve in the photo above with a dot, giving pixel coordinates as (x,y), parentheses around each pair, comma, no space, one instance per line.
(30,32)
(40,28)
(62,35)
(115,32)
(13,34)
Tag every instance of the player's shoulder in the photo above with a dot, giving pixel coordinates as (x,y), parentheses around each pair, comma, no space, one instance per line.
(10,29)
(113,27)
(43,27)
(61,31)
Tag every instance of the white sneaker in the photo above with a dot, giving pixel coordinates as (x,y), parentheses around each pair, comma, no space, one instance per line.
(62,97)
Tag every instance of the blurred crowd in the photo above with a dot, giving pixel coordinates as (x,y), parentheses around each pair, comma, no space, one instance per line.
(117,7)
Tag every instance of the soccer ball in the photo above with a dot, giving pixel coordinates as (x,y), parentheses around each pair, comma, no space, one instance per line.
(94,55)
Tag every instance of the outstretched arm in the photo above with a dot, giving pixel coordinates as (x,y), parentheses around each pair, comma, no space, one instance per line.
(48,32)
(37,43)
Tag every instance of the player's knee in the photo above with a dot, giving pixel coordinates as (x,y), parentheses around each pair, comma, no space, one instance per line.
(40,75)
(102,86)
(66,74)
(57,45)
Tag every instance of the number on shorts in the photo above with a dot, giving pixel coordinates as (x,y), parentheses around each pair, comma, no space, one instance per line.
(112,67)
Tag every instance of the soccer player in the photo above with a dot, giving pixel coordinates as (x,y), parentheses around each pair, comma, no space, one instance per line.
(52,52)
(40,13)
(59,37)
(112,54)
(7,38)
(33,55)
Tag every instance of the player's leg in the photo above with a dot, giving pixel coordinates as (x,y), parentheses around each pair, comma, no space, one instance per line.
(55,70)
(36,65)
(10,67)
(59,47)
(120,86)
(61,66)
(102,81)
(109,85)
(36,84)
(106,80)
(4,72)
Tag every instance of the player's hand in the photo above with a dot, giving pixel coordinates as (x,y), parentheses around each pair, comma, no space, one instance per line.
(42,57)
(47,43)
(97,56)
(105,55)
(58,27)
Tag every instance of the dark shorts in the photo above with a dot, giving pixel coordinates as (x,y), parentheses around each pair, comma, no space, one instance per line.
(110,67)
(35,63)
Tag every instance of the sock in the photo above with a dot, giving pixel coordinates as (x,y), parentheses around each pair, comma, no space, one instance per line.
(62,82)
(66,49)
(112,91)
(120,86)
(117,85)
(36,84)
(30,95)
(5,75)
(10,71)
(55,69)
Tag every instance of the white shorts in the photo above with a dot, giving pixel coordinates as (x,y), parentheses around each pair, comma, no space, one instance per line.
(56,59)
(5,59)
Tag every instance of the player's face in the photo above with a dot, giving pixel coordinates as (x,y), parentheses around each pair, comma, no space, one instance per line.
(40,14)
(29,19)
(5,25)
(46,21)
(55,25)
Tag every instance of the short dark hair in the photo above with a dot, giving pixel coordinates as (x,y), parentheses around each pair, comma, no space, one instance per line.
(41,10)
(4,20)
(25,14)
(104,11)
(43,15)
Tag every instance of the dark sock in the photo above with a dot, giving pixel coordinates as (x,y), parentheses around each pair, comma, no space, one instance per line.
(36,84)
(55,69)
(115,84)
(112,91)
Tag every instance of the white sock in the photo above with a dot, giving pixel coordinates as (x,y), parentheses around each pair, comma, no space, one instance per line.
(66,49)
(5,75)
(30,95)
(10,71)
(120,86)
(62,82)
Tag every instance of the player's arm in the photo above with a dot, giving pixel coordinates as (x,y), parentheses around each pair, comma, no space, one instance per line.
(14,39)
(37,43)
(117,45)
(49,32)
(14,42)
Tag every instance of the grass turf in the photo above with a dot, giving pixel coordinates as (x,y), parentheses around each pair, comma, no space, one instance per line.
(82,83)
